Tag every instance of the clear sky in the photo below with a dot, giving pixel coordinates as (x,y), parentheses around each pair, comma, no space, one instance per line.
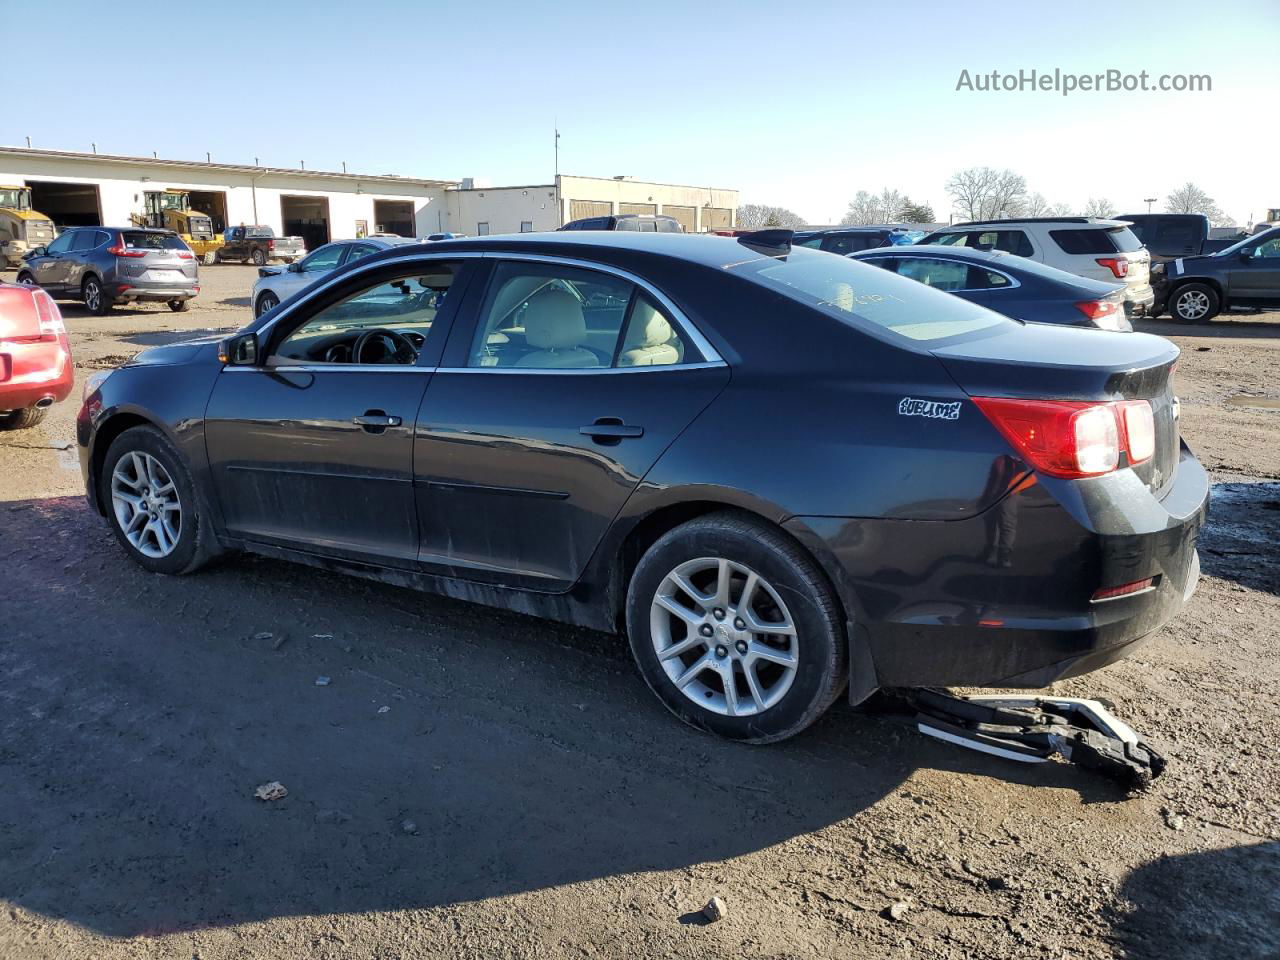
(794,103)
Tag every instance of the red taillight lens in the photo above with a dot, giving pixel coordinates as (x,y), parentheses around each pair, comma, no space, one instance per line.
(1139,429)
(1119,268)
(1096,309)
(50,317)
(186,255)
(1067,438)
(1124,590)
(271,244)
(120,250)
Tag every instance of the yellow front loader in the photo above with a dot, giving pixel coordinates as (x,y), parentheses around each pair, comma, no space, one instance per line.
(172,211)
(21,228)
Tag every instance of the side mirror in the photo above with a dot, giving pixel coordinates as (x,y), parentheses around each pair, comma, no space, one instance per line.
(37,252)
(240,350)
(295,267)
(1246,254)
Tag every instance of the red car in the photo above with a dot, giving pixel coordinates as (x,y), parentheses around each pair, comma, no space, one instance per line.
(35,356)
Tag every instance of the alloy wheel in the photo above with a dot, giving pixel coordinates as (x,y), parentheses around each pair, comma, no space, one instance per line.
(724,637)
(1193,305)
(92,296)
(146,504)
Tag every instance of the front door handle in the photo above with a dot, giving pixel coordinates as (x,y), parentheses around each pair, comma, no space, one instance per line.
(610,430)
(376,421)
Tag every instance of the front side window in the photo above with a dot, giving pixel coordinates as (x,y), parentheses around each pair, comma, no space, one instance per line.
(949,239)
(326,258)
(1269,250)
(63,242)
(941,274)
(387,323)
(358,251)
(549,317)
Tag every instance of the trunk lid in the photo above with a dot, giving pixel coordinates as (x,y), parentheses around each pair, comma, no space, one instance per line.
(1044,362)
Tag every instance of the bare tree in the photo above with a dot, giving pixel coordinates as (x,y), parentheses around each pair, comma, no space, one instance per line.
(883,207)
(757,216)
(1189,198)
(1057,210)
(1100,207)
(984,193)
(1035,205)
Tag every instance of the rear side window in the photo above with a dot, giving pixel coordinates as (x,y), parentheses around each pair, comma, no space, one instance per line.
(84,240)
(544,317)
(137,240)
(860,296)
(1008,241)
(843,243)
(1096,240)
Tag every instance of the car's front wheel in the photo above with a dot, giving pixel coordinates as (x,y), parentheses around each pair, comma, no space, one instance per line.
(1194,303)
(152,503)
(268,301)
(735,628)
(26,279)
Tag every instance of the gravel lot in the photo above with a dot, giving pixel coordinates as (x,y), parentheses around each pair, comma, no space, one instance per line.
(478,784)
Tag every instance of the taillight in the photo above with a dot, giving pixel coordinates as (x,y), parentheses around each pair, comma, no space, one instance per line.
(1096,309)
(1073,439)
(119,250)
(186,255)
(1119,268)
(49,316)
(271,244)
(1139,429)
(1124,590)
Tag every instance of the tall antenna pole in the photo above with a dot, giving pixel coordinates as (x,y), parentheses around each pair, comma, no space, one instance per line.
(559,205)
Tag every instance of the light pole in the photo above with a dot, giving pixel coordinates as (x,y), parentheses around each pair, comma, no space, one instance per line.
(1149,201)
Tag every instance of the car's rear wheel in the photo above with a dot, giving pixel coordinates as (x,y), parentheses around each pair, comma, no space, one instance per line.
(1194,303)
(736,629)
(259,258)
(178,306)
(268,301)
(95,298)
(152,503)
(210,258)
(22,419)
(26,279)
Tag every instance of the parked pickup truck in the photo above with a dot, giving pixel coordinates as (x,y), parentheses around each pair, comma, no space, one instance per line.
(259,244)
(1170,235)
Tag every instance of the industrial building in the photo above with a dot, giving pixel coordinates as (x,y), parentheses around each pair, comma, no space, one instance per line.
(82,189)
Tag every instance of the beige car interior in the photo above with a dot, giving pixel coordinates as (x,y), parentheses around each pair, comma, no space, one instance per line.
(555,325)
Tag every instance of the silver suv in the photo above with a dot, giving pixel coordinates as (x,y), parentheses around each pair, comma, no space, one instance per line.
(104,266)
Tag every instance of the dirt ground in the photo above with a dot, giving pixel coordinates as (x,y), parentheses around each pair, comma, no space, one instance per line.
(479,784)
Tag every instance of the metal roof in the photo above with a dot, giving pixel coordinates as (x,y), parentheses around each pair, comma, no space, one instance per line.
(229,167)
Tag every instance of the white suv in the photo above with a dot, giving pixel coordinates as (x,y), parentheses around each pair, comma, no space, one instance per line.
(1086,246)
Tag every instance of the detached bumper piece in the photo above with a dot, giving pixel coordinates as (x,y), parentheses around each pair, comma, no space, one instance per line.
(1031,729)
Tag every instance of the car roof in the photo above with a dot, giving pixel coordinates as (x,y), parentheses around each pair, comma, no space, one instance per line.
(701,248)
(1087,221)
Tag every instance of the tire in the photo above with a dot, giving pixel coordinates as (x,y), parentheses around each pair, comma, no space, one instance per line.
(95,298)
(210,258)
(22,419)
(259,258)
(217,256)
(268,301)
(27,280)
(790,587)
(193,546)
(1194,303)
(179,306)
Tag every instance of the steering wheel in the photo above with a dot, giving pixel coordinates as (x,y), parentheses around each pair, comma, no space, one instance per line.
(402,349)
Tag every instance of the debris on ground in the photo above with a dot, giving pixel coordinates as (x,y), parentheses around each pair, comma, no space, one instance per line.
(264,635)
(322,681)
(898,910)
(409,827)
(384,709)
(714,910)
(275,790)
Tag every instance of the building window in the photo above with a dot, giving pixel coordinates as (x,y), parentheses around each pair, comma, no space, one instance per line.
(526,226)
(482,228)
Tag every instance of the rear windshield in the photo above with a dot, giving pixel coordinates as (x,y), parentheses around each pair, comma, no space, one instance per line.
(259,232)
(137,240)
(860,295)
(1097,240)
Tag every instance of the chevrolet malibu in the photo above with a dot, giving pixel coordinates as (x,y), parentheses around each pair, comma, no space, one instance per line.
(779,472)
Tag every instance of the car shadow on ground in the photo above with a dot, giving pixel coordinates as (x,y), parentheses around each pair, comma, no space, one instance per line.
(236,301)
(1239,541)
(1221,903)
(1226,325)
(454,753)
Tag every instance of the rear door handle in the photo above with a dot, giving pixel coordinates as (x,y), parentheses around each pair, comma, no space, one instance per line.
(610,430)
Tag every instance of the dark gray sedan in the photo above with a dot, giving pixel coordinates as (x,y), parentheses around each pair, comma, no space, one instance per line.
(1008,284)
